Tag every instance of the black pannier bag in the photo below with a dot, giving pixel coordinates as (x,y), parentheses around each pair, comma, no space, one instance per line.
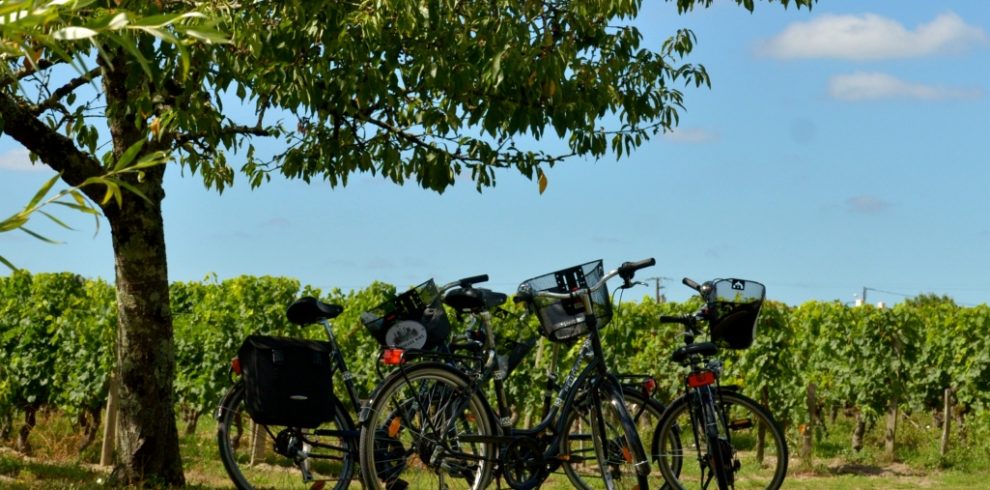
(287,381)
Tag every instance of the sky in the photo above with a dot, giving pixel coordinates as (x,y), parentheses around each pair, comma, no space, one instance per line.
(838,151)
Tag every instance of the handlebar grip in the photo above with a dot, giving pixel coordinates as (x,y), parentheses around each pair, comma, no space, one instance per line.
(468,281)
(683,320)
(691,284)
(522,297)
(628,269)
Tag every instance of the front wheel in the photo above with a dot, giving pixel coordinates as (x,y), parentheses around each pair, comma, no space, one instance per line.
(262,457)
(749,446)
(618,451)
(580,464)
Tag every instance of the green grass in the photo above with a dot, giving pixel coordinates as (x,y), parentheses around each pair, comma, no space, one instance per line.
(58,464)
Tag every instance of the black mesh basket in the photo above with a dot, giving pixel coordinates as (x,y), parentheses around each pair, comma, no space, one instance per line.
(734,306)
(414,319)
(563,320)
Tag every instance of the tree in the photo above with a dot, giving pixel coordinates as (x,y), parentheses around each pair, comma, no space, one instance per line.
(413,90)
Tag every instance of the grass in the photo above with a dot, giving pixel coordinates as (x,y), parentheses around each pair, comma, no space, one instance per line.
(58,464)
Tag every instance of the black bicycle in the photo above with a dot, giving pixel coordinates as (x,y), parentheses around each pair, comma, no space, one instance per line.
(430,425)
(723,437)
(281,426)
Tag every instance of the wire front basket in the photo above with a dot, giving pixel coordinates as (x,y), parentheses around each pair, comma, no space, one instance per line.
(563,320)
(734,306)
(414,319)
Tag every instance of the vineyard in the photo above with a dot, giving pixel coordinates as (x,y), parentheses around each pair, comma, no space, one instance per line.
(925,359)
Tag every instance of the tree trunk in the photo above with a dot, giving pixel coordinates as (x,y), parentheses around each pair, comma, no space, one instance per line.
(147,437)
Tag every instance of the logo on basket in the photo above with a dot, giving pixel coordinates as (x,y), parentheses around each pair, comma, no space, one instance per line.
(738,285)
(406,334)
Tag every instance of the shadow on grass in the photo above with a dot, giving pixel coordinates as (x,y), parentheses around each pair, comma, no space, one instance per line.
(17,472)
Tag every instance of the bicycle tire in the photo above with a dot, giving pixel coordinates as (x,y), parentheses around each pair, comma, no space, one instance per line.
(618,449)
(746,423)
(645,413)
(248,452)
(407,441)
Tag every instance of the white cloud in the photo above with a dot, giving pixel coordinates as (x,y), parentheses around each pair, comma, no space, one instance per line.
(872,37)
(17,160)
(866,204)
(690,135)
(872,86)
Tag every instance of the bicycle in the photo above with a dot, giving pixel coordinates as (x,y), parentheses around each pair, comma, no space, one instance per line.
(306,437)
(431,424)
(726,430)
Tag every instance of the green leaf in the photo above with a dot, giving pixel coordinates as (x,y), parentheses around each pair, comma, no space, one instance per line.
(7,263)
(42,192)
(39,237)
(129,155)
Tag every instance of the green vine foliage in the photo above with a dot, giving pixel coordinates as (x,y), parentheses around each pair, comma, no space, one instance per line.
(57,332)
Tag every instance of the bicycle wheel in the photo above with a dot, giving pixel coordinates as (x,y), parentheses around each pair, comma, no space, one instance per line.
(749,441)
(581,466)
(615,442)
(416,430)
(262,457)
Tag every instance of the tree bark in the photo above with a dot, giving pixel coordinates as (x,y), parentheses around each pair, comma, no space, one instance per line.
(147,436)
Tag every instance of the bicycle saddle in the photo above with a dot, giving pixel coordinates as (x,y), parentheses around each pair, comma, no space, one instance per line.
(473,299)
(701,348)
(306,310)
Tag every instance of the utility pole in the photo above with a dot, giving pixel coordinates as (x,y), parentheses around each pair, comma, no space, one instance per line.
(659,297)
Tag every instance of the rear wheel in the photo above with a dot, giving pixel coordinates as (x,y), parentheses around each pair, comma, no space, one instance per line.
(262,457)
(749,446)
(425,428)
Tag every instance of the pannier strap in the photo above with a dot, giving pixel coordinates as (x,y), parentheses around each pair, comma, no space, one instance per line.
(308,310)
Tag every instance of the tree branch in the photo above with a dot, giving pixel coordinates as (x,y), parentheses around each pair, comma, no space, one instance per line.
(65,90)
(233,129)
(28,71)
(54,149)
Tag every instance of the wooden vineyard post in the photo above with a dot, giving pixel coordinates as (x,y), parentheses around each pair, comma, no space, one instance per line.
(808,431)
(946,423)
(890,433)
(110,427)
(257,442)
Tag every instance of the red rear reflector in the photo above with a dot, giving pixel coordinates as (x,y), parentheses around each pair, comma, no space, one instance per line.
(235,365)
(650,385)
(701,378)
(393,357)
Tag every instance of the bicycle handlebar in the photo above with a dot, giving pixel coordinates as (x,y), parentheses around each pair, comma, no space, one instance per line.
(628,268)
(466,282)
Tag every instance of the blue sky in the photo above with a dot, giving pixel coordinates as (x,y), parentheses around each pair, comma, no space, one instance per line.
(841,148)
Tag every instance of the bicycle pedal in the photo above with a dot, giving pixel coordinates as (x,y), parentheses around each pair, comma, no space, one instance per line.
(318,485)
